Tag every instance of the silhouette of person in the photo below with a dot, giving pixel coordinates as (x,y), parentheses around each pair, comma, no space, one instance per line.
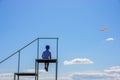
(46,55)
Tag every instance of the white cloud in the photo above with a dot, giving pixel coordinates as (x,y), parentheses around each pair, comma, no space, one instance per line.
(114,69)
(33,70)
(109,39)
(6,76)
(65,78)
(78,61)
(92,76)
(109,74)
(42,76)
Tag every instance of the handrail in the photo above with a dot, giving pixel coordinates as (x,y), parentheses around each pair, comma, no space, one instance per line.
(28,45)
(18,51)
(36,67)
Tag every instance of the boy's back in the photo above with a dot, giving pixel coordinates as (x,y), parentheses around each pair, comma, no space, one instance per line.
(46,54)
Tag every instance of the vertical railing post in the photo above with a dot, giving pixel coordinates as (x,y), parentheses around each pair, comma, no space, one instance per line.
(18,63)
(57,58)
(14,76)
(36,64)
(57,48)
(38,48)
(36,70)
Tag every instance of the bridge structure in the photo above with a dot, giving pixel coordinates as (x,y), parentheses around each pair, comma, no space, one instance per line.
(37,60)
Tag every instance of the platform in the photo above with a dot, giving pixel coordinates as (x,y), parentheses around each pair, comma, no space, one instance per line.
(25,74)
(46,60)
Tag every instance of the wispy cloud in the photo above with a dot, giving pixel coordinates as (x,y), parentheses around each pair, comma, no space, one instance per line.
(6,76)
(42,76)
(114,69)
(110,39)
(33,70)
(78,61)
(109,74)
(92,76)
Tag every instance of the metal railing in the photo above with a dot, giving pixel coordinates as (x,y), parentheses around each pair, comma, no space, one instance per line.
(35,40)
(18,51)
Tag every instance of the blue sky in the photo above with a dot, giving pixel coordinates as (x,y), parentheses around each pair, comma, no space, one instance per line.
(77,23)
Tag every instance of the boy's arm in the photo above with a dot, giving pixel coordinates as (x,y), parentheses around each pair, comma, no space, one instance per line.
(49,56)
(42,55)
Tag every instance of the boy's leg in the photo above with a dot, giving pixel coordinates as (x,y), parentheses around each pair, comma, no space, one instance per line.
(46,66)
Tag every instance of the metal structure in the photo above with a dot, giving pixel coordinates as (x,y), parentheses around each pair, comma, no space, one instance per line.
(37,60)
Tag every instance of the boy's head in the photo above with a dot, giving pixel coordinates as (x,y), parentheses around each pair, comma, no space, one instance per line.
(47,47)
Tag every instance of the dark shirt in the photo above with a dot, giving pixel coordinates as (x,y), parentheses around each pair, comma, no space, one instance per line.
(46,54)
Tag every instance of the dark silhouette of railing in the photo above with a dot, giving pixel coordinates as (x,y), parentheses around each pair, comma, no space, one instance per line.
(36,66)
(18,51)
